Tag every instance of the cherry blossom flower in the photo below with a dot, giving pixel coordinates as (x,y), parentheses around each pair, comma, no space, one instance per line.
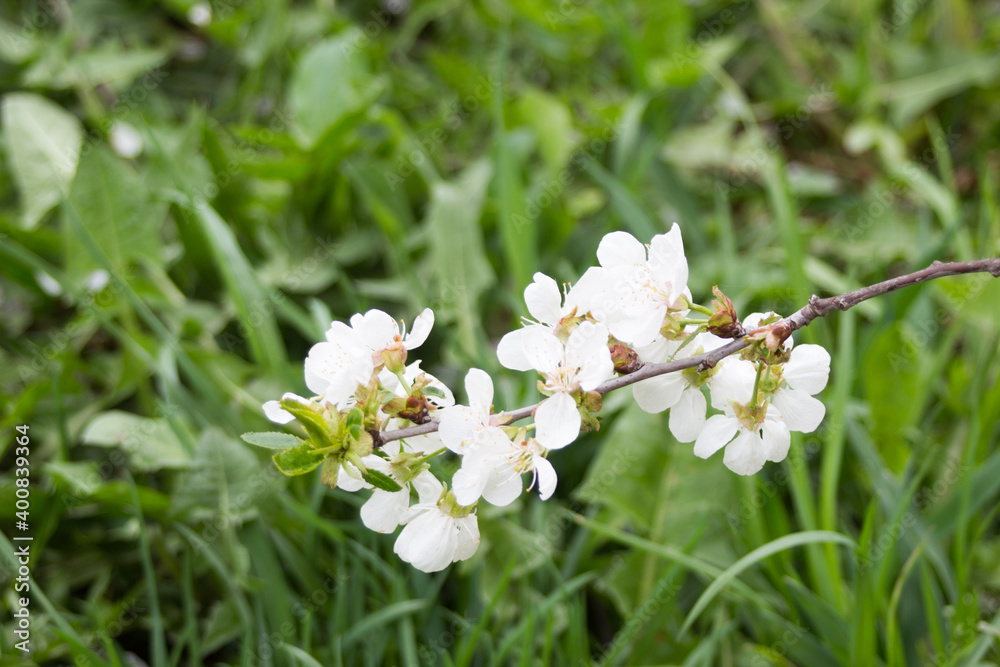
(641,290)
(680,392)
(551,311)
(437,530)
(461,425)
(752,433)
(582,362)
(493,466)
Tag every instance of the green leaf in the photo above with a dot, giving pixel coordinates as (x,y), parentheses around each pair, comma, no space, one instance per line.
(330,83)
(755,556)
(43,144)
(553,125)
(112,202)
(298,460)
(380,480)
(150,443)
(272,439)
(463,271)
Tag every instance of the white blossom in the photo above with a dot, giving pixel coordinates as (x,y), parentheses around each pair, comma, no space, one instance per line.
(581,363)
(492,469)
(680,392)
(640,288)
(437,532)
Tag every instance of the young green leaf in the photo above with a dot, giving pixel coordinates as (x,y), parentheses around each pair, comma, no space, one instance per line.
(272,439)
(380,480)
(297,460)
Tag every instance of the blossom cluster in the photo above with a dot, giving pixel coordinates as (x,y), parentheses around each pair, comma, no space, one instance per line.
(634,308)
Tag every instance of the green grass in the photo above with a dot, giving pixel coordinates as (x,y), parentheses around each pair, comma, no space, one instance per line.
(305,161)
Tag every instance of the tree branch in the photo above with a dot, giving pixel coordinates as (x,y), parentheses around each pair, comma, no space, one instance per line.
(817,307)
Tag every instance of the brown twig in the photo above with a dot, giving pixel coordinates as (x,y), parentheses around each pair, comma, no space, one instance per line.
(817,307)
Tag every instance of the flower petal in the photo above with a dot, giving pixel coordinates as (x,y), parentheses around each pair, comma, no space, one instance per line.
(428,542)
(510,351)
(587,350)
(557,421)
(776,438)
(799,410)
(585,293)
(466,538)
(732,382)
(277,414)
(808,368)
(382,512)
(718,431)
(479,387)
(546,477)
(620,249)
(376,328)
(421,328)
(503,485)
(659,393)
(543,300)
(667,262)
(543,350)
(687,417)
(458,427)
(640,327)
(745,454)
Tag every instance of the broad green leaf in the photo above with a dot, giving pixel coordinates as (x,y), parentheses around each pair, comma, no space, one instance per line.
(462,269)
(108,64)
(272,439)
(552,123)
(298,460)
(150,443)
(112,202)
(381,481)
(330,83)
(43,145)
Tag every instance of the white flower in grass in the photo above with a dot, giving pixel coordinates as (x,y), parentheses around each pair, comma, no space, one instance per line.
(680,392)
(642,289)
(438,531)
(336,367)
(549,308)
(384,510)
(751,434)
(492,469)
(581,363)
(461,425)
(805,373)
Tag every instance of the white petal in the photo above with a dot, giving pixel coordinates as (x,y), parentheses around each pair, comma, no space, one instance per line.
(667,262)
(706,342)
(467,538)
(510,351)
(376,328)
(546,477)
(503,486)
(745,454)
(343,335)
(798,409)
(543,350)
(808,368)
(687,418)
(557,421)
(428,487)
(659,393)
(641,329)
(587,350)
(458,427)
(620,249)
(420,330)
(468,483)
(659,350)
(732,382)
(382,512)
(479,387)
(350,483)
(428,542)
(335,371)
(543,300)
(277,414)
(718,431)
(776,440)
(586,292)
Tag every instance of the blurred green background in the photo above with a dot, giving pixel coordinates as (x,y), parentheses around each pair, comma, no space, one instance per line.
(189,193)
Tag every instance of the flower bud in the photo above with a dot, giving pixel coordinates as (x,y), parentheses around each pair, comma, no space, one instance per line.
(724,323)
(625,359)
